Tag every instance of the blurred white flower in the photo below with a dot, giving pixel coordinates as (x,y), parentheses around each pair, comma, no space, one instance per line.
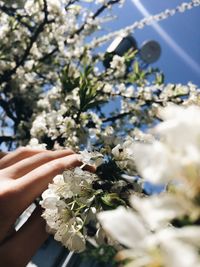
(123,225)
(155,162)
(159,210)
(181,126)
(177,154)
(163,248)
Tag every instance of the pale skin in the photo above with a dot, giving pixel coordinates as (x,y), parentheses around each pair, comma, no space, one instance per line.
(24,175)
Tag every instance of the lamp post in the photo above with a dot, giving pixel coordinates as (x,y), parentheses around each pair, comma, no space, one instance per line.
(149,52)
(119,47)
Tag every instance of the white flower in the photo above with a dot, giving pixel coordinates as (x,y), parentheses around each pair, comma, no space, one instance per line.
(177,154)
(34,143)
(118,65)
(55,4)
(123,225)
(67,125)
(162,248)
(123,155)
(181,126)
(91,158)
(155,162)
(158,211)
(75,241)
(29,7)
(66,191)
(142,137)
(39,126)
(107,88)
(43,104)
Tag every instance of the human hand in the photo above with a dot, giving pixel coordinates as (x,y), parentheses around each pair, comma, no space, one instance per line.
(24,175)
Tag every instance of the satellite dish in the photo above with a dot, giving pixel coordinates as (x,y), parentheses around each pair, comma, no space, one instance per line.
(150,51)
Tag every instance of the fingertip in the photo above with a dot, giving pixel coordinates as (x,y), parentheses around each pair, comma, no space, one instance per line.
(90,168)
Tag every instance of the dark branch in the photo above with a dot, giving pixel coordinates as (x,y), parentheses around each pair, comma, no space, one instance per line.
(101,9)
(10,11)
(119,116)
(7,74)
(69,4)
(34,36)
(96,14)
(5,106)
(46,56)
(6,139)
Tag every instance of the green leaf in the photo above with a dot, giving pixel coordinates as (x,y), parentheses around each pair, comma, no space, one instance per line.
(95,104)
(103,255)
(136,68)
(112,200)
(160,79)
(68,83)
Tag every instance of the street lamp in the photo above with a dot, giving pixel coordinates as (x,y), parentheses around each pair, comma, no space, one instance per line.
(149,52)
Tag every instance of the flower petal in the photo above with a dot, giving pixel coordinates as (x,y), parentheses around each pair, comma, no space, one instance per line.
(123,225)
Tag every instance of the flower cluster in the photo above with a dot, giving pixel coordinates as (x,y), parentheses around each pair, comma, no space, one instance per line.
(60,120)
(163,230)
(54,86)
(72,201)
(118,66)
(40,38)
(64,202)
(54,92)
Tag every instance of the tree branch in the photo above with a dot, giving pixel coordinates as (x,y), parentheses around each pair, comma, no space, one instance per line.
(119,116)
(71,2)
(34,36)
(10,11)
(8,73)
(96,14)
(5,106)
(46,56)
(6,139)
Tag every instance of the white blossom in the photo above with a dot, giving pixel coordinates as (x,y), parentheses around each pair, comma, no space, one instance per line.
(39,126)
(34,143)
(177,154)
(118,66)
(123,155)
(169,244)
(159,210)
(58,212)
(91,158)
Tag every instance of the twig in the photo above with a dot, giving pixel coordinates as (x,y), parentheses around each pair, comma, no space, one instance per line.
(5,106)
(96,14)
(8,73)
(6,139)
(10,11)
(119,116)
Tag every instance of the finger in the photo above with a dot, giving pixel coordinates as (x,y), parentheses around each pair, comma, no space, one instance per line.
(20,154)
(19,249)
(2,154)
(37,180)
(34,183)
(89,168)
(25,166)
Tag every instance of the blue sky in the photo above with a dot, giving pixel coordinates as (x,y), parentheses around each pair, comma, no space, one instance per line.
(179,37)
